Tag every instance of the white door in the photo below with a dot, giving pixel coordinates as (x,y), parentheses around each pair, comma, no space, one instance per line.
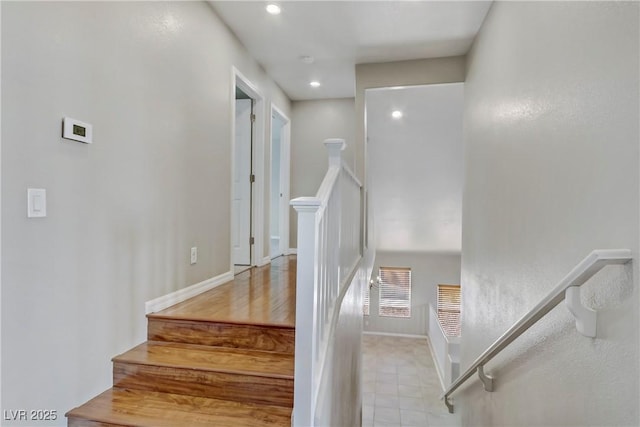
(242,184)
(279,184)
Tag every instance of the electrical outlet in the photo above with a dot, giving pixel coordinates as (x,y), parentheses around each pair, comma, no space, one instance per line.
(194,255)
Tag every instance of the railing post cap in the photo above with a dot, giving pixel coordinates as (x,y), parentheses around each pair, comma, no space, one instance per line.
(306,204)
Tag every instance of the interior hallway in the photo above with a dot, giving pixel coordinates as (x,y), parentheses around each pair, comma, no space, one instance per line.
(400,384)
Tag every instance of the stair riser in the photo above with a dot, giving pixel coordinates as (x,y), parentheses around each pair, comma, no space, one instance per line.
(254,337)
(219,385)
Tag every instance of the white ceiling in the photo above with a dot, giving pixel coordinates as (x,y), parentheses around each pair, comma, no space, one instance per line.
(416,167)
(340,34)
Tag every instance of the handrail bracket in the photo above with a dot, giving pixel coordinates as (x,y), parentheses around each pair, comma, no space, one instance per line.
(449,404)
(567,289)
(586,318)
(487,381)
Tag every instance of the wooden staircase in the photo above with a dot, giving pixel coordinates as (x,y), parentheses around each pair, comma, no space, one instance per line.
(223,358)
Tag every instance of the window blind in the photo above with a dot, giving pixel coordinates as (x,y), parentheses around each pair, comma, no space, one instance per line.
(365,297)
(395,292)
(449,309)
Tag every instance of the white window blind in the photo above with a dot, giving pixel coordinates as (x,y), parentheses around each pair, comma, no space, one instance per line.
(449,309)
(395,292)
(365,297)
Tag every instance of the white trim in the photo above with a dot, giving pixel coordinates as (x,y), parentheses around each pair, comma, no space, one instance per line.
(285,178)
(1,423)
(259,185)
(232,132)
(391,334)
(266,260)
(435,361)
(292,251)
(184,294)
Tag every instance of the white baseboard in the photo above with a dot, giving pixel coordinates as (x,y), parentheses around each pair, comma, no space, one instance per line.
(292,251)
(266,260)
(180,295)
(391,334)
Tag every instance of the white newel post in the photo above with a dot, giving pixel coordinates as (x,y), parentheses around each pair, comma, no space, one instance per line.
(317,281)
(305,310)
(334,148)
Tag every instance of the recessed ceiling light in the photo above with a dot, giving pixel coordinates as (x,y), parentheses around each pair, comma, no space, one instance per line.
(315,83)
(396,114)
(273,9)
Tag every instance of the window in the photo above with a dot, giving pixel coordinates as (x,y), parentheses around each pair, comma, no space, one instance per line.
(365,297)
(449,309)
(395,292)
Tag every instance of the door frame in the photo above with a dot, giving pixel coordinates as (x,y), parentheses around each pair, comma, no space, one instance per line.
(257,165)
(285,176)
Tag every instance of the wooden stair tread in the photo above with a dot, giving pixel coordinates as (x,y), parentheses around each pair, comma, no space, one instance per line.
(205,358)
(136,408)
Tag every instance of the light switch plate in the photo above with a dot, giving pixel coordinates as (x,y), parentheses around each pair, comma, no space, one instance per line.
(36,202)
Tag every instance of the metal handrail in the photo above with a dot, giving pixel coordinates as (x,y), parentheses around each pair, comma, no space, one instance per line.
(567,288)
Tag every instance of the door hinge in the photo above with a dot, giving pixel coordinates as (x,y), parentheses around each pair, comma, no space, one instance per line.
(252,178)
(252,241)
(253,118)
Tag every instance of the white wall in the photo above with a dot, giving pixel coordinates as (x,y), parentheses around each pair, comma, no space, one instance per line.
(427,271)
(311,123)
(446,350)
(552,163)
(385,75)
(340,394)
(155,80)
(415,167)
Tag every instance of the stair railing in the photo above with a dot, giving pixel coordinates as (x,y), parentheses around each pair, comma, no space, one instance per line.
(569,290)
(329,250)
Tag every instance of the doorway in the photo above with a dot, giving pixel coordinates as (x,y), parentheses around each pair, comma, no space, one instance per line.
(247,174)
(279,188)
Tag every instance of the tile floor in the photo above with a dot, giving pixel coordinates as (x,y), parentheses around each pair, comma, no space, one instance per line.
(400,385)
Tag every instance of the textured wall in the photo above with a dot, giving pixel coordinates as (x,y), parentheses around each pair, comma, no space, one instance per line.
(154,79)
(552,161)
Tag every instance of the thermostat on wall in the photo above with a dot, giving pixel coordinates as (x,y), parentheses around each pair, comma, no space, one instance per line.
(77,130)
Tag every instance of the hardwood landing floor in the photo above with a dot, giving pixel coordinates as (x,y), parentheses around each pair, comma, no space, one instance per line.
(223,358)
(260,296)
